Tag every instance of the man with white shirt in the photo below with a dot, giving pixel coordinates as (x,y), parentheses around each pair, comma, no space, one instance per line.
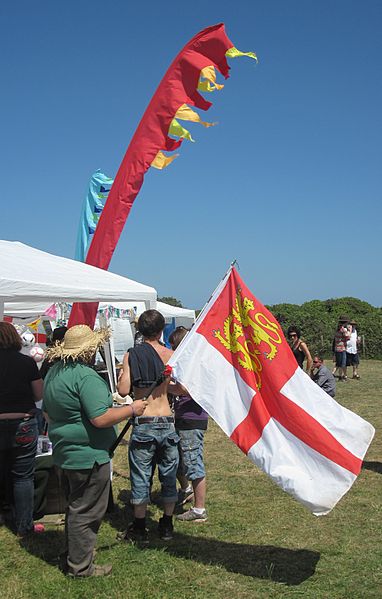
(352,358)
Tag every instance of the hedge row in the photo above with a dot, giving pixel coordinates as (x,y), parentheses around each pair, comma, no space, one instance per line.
(318,320)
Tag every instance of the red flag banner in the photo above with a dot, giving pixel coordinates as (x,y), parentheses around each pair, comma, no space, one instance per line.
(238,366)
(192,71)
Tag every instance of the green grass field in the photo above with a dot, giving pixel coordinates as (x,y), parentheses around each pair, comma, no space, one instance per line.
(258,541)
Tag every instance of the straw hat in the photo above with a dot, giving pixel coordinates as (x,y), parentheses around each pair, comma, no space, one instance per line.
(80,342)
(343,318)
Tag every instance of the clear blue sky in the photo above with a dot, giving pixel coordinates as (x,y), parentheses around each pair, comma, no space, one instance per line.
(288,183)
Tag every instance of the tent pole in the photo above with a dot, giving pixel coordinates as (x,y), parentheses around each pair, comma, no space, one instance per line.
(109,357)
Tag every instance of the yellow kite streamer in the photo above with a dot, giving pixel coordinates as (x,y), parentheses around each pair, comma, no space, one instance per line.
(161,160)
(185,113)
(177,129)
(235,53)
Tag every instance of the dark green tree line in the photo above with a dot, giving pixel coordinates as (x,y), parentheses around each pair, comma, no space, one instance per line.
(318,319)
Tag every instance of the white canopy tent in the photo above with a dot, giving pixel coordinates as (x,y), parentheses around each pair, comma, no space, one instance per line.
(168,311)
(25,309)
(32,278)
(173,316)
(183,316)
(175,312)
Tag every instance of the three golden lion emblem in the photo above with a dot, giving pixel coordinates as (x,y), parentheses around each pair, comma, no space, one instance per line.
(246,342)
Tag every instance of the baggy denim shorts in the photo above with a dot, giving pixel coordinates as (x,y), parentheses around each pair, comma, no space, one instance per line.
(153,443)
(340,359)
(191,454)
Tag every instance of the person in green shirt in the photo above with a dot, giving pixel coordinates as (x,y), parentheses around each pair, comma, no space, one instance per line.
(78,407)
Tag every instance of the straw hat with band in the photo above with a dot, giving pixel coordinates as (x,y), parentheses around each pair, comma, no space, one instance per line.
(343,318)
(79,343)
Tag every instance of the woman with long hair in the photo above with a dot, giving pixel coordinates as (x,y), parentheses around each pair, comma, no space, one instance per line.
(299,348)
(20,389)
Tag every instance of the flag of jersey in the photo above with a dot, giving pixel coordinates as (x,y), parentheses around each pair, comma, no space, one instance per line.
(238,366)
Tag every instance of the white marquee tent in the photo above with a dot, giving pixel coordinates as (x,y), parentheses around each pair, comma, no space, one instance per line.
(175,312)
(31,279)
(173,315)
(182,316)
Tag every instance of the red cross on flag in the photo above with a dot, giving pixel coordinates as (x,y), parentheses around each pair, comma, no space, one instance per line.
(237,365)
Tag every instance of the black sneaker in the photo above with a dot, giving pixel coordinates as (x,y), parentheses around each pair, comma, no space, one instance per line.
(166,530)
(133,534)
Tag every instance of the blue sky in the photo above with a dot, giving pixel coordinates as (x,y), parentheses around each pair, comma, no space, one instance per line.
(288,183)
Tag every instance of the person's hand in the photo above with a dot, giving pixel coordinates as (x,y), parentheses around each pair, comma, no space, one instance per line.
(120,374)
(139,406)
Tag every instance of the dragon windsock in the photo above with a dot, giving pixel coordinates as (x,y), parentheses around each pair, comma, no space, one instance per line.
(193,71)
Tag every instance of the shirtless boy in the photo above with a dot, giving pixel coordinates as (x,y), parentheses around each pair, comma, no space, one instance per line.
(153,439)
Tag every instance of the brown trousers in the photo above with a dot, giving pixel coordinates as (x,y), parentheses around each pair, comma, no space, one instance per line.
(88,494)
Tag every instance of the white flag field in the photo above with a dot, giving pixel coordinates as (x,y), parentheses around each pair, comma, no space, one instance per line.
(237,365)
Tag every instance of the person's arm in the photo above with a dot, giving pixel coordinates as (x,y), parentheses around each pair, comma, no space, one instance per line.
(124,380)
(115,415)
(95,400)
(37,387)
(309,360)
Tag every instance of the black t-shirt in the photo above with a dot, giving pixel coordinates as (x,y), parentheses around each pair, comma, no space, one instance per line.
(17,371)
(146,365)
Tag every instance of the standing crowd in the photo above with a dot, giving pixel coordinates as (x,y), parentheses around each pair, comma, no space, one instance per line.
(345,347)
(168,429)
(78,407)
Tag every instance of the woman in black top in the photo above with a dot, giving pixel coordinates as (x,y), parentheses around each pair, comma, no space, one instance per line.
(20,388)
(299,348)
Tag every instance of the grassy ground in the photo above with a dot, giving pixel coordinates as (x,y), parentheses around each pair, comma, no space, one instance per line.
(258,542)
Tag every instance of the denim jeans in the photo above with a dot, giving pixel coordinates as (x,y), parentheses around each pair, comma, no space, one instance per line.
(153,443)
(18,445)
(191,463)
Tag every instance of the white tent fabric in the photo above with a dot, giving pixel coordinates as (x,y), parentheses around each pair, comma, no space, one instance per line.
(122,336)
(175,312)
(25,309)
(31,275)
(168,311)
(34,309)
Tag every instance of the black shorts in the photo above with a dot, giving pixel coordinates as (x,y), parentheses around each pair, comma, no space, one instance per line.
(352,359)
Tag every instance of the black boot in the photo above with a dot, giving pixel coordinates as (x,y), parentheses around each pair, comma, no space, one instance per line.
(166,528)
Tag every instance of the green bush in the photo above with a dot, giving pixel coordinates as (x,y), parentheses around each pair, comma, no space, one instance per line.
(318,320)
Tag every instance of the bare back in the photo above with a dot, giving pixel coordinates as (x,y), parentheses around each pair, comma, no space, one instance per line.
(157,402)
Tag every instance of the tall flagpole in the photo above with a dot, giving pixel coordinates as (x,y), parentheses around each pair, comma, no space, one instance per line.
(219,286)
